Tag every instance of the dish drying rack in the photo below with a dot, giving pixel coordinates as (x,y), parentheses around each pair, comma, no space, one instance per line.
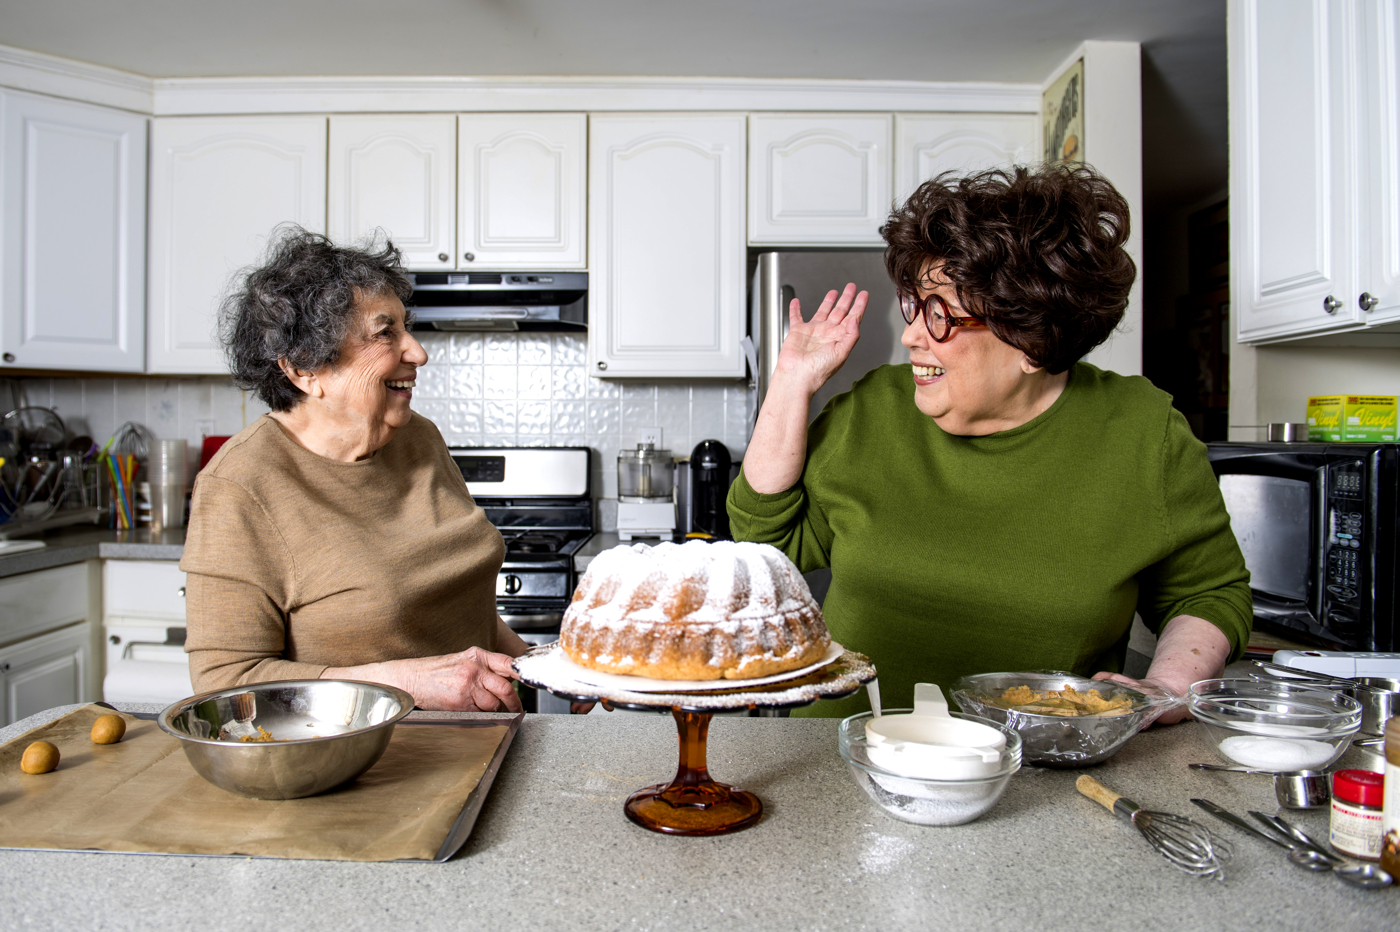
(79,503)
(56,485)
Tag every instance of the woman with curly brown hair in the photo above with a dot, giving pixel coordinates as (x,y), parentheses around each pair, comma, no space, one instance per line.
(1026,504)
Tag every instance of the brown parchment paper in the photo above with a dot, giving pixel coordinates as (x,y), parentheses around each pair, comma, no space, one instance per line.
(141,795)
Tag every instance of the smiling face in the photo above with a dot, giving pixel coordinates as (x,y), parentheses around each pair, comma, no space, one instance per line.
(363,399)
(973,384)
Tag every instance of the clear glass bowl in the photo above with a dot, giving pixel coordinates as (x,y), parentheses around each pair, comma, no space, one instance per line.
(921,800)
(1053,740)
(1274,725)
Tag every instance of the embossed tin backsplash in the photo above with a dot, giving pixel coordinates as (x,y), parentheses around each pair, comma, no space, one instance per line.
(481,389)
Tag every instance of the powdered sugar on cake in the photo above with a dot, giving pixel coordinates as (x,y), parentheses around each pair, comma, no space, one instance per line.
(700,610)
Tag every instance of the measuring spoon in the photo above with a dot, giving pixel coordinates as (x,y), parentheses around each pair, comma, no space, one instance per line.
(1311,855)
(1364,876)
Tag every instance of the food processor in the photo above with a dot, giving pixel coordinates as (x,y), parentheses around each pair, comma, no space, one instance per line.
(646,505)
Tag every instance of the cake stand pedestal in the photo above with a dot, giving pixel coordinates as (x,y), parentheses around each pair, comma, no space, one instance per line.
(694,803)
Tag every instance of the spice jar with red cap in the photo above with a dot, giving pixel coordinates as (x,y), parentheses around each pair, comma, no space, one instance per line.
(1357,800)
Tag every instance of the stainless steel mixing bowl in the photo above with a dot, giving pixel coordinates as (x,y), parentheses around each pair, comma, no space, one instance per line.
(324,733)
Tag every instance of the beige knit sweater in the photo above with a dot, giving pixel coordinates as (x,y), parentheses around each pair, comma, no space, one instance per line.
(296,563)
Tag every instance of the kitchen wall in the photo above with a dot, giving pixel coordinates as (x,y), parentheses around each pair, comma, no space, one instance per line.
(480,389)
(1273,383)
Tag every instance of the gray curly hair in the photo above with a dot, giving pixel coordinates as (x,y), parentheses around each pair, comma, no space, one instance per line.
(299,306)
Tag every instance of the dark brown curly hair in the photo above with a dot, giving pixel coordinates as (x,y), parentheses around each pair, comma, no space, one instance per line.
(1036,253)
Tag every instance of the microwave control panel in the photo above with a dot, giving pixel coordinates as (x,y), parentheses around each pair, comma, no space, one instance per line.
(1347,569)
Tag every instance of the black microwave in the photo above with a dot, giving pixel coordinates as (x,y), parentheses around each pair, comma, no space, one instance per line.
(1317,525)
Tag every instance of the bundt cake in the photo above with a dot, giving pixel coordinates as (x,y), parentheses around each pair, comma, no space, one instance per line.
(694,611)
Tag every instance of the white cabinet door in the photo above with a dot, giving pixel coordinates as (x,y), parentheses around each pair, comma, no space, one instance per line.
(521,189)
(1380,276)
(219,186)
(43,672)
(1296,143)
(818,179)
(666,234)
(928,144)
(73,237)
(144,589)
(395,174)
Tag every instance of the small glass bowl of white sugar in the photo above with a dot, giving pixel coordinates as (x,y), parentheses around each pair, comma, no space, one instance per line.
(1274,726)
(927,799)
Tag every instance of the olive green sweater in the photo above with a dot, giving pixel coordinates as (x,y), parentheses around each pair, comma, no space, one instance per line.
(1027,549)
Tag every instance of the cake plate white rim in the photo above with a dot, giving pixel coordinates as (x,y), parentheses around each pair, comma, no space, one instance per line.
(647,684)
(835,679)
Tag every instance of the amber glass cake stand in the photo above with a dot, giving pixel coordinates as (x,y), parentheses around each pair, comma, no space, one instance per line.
(694,803)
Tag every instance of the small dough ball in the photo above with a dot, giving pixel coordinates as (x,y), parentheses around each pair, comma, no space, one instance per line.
(108,729)
(39,757)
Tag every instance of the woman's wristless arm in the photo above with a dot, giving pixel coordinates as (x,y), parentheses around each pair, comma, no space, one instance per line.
(778,449)
(1189,649)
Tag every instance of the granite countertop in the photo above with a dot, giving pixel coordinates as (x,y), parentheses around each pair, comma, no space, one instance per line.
(87,542)
(552,850)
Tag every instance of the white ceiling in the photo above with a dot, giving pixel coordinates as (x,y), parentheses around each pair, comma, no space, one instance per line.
(919,40)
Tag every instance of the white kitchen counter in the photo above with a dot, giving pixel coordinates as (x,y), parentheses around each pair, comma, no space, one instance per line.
(553,851)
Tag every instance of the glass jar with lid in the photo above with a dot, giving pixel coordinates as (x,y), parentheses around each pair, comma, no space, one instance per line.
(645,474)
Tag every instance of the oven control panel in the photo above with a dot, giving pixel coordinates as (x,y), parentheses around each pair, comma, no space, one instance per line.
(1346,571)
(525,584)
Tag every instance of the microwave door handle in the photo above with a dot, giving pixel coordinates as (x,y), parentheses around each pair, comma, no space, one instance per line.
(1317,581)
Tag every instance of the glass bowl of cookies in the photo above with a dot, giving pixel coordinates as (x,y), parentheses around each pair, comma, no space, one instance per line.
(1063,720)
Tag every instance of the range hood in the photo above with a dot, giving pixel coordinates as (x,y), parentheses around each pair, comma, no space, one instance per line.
(500,301)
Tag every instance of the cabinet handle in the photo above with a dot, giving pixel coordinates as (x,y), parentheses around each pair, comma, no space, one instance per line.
(1330,304)
(602,365)
(1368,301)
(443,257)
(469,256)
(9,357)
(4,668)
(180,592)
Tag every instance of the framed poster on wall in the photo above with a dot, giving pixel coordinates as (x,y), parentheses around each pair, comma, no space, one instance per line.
(1062,116)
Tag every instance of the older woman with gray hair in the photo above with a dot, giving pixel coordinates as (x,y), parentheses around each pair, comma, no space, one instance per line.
(334,537)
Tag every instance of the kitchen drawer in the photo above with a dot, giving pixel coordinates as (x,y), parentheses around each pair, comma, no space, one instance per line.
(32,603)
(144,589)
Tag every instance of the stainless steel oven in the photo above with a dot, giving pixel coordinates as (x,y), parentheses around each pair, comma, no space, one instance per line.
(539,499)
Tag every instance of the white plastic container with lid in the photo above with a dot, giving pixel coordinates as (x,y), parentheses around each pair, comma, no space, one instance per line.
(931,744)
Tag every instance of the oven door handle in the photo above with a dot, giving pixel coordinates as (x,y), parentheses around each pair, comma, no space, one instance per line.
(539,622)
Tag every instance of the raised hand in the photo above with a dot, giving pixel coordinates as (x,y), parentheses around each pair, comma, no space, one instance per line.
(814,350)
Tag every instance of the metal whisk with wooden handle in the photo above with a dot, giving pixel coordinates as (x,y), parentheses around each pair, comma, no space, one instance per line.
(1186,844)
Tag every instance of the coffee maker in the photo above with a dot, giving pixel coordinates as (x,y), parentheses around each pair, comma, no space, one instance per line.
(709,487)
(646,504)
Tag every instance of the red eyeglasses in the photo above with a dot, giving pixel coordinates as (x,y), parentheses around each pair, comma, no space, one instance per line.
(937,318)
